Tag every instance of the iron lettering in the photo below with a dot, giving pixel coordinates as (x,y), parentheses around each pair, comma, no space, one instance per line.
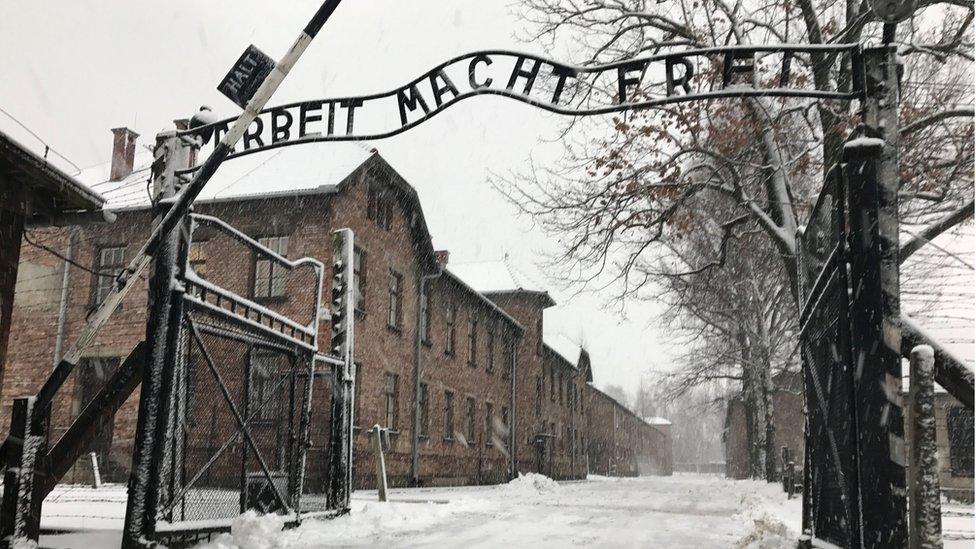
(557,87)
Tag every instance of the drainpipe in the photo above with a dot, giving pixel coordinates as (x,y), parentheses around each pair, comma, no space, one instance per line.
(63,307)
(415,424)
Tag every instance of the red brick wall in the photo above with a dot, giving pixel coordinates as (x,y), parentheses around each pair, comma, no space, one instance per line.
(542,442)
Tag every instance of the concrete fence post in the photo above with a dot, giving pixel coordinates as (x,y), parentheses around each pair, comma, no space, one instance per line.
(377,442)
(925,508)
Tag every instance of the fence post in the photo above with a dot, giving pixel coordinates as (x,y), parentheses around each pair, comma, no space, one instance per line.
(163,321)
(925,509)
(376,439)
(20,510)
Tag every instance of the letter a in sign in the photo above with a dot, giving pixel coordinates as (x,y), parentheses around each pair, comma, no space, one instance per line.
(246,76)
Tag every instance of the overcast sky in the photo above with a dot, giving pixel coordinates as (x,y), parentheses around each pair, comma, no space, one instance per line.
(73,70)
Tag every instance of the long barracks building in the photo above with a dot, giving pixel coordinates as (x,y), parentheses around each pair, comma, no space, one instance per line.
(451,358)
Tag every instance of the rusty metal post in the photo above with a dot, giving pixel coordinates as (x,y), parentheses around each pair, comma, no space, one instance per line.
(925,507)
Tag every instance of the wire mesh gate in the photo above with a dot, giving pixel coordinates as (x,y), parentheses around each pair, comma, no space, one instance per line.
(854,485)
(238,420)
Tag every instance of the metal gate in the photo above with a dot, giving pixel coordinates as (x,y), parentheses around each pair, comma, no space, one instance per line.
(237,421)
(854,485)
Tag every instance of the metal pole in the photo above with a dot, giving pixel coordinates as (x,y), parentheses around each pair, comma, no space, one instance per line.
(875,312)
(925,507)
(163,321)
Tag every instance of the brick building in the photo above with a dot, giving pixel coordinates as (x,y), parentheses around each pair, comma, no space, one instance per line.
(33,191)
(451,358)
(550,374)
(954,435)
(623,444)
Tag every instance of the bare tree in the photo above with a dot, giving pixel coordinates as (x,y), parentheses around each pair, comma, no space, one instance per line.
(613,200)
(703,199)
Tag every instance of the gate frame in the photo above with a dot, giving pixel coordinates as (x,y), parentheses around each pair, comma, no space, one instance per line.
(868,212)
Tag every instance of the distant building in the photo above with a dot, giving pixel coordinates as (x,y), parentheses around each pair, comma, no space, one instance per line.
(788,420)
(622,443)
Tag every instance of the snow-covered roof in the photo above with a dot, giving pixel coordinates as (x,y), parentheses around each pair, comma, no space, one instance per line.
(278,172)
(35,163)
(655,420)
(495,277)
(564,347)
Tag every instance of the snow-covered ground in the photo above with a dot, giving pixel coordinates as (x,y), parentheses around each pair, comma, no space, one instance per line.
(685,510)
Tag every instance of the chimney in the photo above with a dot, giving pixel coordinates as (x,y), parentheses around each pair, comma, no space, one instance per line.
(123,153)
(442,256)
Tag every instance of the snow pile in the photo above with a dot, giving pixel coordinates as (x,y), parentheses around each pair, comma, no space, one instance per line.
(250,531)
(373,522)
(531,484)
(767,530)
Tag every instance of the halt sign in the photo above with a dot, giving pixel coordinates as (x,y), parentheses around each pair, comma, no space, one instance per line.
(246,75)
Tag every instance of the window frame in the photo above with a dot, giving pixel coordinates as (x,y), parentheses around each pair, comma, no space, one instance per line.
(391,401)
(273,267)
(489,347)
(448,415)
(450,343)
(274,408)
(105,273)
(471,413)
(394,319)
(489,427)
(472,339)
(198,261)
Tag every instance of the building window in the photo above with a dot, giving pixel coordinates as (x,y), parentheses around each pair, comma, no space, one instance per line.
(448,415)
(509,357)
(379,208)
(505,418)
(472,340)
(111,260)
(959,424)
(424,410)
(488,427)
(267,367)
(552,384)
(93,374)
(451,329)
(391,391)
(560,388)
(425,313)
(538,395)
(197,257)
(469,422)
(359,277)
(490,349)
(269,276)
(538,333)
(396,300)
